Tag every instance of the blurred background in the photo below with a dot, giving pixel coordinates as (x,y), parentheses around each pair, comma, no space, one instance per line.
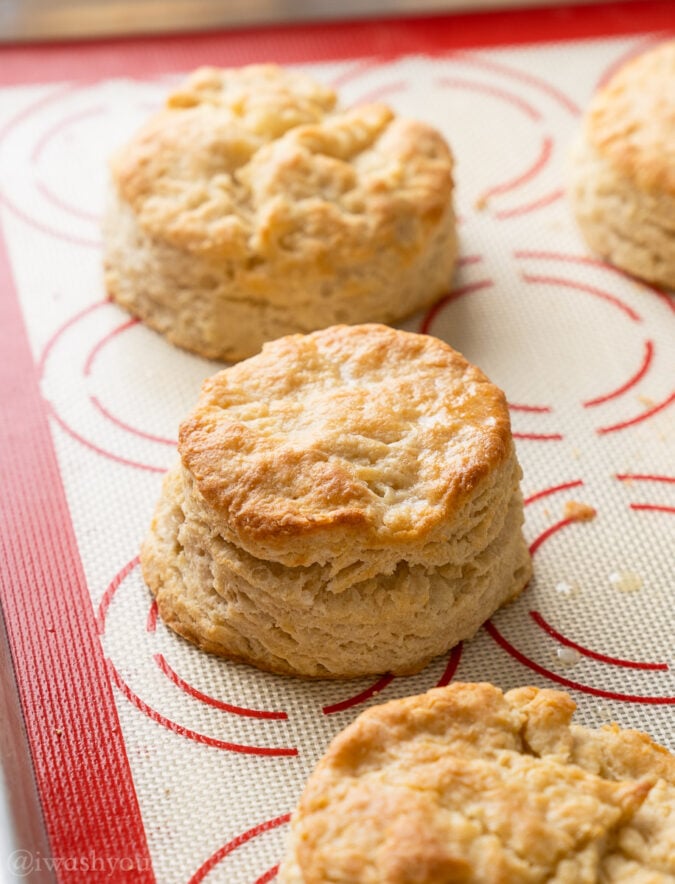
(28,20)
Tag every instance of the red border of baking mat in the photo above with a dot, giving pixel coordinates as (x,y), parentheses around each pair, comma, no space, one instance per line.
(79,757)
(388,38)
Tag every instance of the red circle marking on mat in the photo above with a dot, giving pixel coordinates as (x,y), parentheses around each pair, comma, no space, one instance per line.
(95,448)
(534,409)
(150,437)
(63,328)
(532,170)
(587,652)
(587,289)
(99,345)
(647,357)
(267,876)
(44,139)
(451,667)
(630,422)
(188,733)
(110,591)
(539,437)
(231,846)
(153,612)
(44,190)
(494,633)
(643,477)
(173,677)
(46,228)
(574,483)
(375,688)
(653,507)
(602,265)
(523,76)
(493,91)
(433,311)
(628,55)
(549,532)
(464,260)
(378,93)
(164,667)
(539,203)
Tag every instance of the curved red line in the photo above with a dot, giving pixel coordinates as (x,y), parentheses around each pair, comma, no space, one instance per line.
(575,483)
(641,417)
(173,676)
(129,429)
(451,667)
(268,876)
(533,170)
(64,206)
(117,458)
(41,143)
(534,409)
(355,70)
(469,259)
(587,289)
(231,846)
(379,685)
(36,106)
(539,437)
(439,305)
(628,55)
(595,262)
(552,529)
(653,507)
(494,633)
(631,382)
(62,328)
(96,349)
(380,92)
(530,79)
(189,734)
(603,658)
(494,91)
(643,477)
(45,228)
(540,203)
(151,622)
(110,591)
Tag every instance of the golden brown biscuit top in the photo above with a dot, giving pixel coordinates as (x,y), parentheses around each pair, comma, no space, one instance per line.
(466,784)
(631,121)
(256,162)
(360,432)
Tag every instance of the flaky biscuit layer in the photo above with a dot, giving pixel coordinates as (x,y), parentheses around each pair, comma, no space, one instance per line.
(466,784)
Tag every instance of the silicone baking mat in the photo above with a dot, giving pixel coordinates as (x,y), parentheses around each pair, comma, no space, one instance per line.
(153,761)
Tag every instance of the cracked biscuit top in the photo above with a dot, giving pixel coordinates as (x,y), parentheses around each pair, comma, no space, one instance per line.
(631,120)
(354,434)
(466,784)
(257,163)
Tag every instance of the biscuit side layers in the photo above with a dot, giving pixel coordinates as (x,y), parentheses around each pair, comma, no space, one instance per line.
(250,208)
(385,615)
(347,503)
(623,168)
(467,784)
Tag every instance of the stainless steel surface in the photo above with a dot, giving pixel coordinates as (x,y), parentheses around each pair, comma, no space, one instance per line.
(24,850)
(22,20)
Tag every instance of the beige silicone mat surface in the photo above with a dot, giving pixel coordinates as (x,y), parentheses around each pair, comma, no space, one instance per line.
(218,751)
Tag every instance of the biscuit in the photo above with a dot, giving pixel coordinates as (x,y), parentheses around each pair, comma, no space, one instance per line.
(623,168)
(467,784)
(251,207)
(347,503)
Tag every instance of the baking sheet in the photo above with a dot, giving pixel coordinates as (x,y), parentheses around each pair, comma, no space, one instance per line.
(190,765)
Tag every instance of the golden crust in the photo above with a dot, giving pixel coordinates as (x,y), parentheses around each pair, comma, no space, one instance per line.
(465,783)
(256,163)
(359,432)
(631,121)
